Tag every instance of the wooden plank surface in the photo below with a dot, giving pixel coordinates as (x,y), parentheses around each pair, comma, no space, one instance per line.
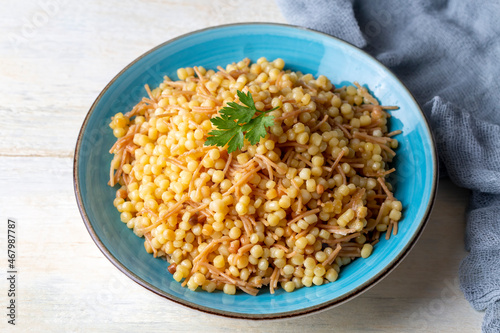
(55,57)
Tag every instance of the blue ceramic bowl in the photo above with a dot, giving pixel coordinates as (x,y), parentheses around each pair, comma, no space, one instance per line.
(303,50)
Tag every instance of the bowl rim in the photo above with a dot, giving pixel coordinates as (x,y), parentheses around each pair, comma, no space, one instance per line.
(256,317)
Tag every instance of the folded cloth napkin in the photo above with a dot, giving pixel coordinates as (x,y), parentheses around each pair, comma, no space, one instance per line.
(447,53)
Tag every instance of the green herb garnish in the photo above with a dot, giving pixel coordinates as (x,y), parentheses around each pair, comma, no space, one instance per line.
(237,122)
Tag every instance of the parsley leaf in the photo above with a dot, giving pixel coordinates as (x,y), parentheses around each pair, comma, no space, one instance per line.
(236,123)
(256,129)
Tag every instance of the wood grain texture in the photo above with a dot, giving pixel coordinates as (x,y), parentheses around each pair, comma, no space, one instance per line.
(55,57)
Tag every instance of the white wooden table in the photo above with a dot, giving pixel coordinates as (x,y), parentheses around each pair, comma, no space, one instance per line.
(55,57)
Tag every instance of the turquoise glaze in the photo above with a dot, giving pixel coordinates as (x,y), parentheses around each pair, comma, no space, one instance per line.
(303,50)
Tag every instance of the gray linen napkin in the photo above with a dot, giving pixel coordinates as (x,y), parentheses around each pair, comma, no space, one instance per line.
(448,55)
